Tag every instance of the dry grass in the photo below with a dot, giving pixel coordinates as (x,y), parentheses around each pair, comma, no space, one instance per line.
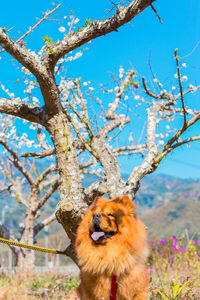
(174,269)
(49,286)
(173,266)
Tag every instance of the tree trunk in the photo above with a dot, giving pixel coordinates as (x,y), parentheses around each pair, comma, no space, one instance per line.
(26,257)
(71,205)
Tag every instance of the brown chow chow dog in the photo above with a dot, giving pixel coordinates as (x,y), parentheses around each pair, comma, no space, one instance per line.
(111,250)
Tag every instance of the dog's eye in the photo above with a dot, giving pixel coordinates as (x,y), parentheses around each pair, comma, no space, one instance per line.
(110,215)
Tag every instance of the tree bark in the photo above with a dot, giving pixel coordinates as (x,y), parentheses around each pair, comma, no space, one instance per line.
(26,257)
(71,205)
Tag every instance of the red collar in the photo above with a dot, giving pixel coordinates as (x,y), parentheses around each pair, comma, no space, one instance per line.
(113,290)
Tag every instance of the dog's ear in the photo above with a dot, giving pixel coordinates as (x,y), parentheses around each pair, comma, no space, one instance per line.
(126,201)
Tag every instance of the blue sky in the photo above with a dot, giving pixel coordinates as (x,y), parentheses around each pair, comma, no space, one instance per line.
(131,46)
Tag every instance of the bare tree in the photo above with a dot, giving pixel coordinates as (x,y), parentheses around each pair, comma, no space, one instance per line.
(29,187)
(81,141)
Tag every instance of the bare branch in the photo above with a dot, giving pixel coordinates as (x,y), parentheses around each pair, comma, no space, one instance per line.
(82,119)
(110,115)
(47,14)
(87,146)
(40,138)
(166,149)
(110,126)
(147,166)
(48,194)
(187,141)
(180,85)
(46,172)
(148,92)
(36,67)
(167,96)
(87,164)
(5,188)
(15,183)
(16,161)
(44,223)
(5,234)
(29,112)
(156,14)
(84,109)
(48,182)
(128,150)
(41,154)
(96,29)
(21,54)
(95,173)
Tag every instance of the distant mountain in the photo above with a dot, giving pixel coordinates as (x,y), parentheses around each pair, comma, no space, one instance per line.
(157,190)
(167,205)
(170,205)
(173,218)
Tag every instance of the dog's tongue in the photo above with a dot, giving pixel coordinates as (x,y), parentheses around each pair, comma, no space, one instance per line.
(97,235)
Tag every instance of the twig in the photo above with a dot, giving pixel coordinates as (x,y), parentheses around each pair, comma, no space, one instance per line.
(87,146)
(156,13)
(40,138)
(148,92)
(36,25)
(6,188)
(46,172)
(191,51)
(16,162)
(47,195)
(168,146)
(180,85)
(41,154)
(84,109)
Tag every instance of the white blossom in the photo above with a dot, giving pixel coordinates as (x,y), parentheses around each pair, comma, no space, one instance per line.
(62,29)
(76,21)
(189,111)
(137,97)
(91,88)
(78,54)
(163,92)
(184,65)
(35,100)
(26,71)
(184,78)
(121,72)
(192,88)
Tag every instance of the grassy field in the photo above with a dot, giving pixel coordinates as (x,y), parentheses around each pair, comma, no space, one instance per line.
(49,286)
(173,267)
